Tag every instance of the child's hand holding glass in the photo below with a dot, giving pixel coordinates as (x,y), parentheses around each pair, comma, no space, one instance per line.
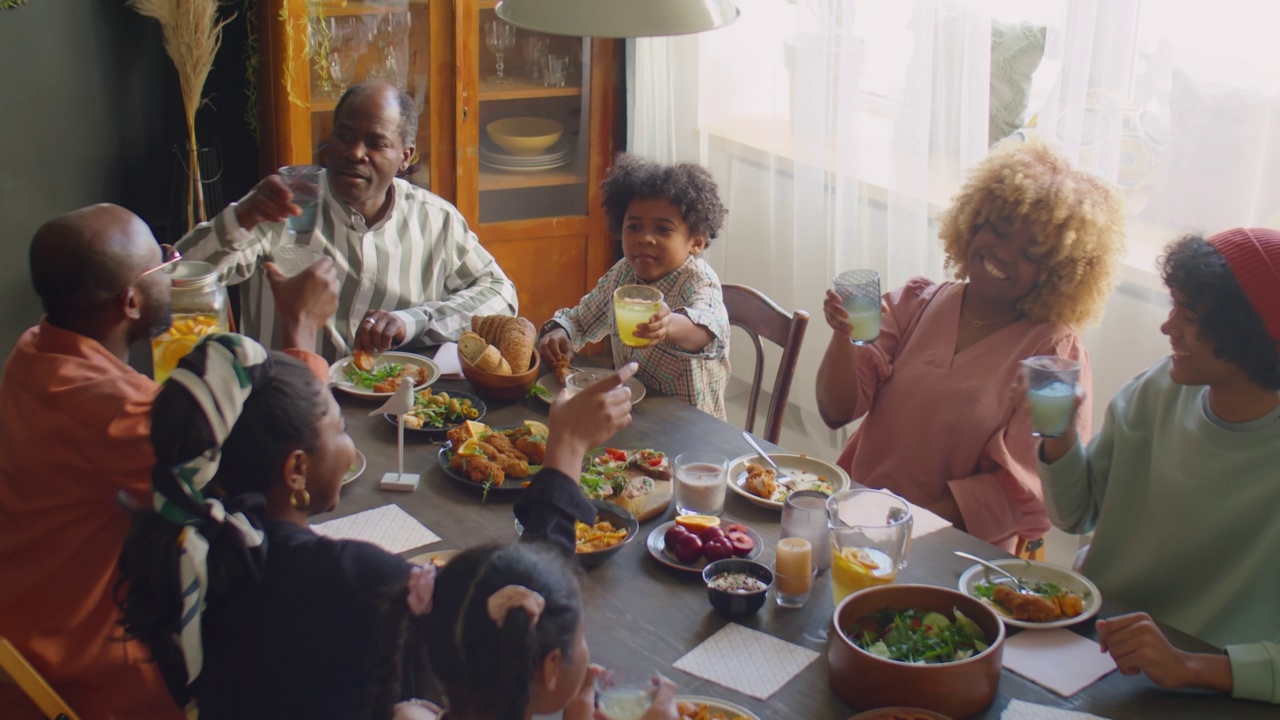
(655,331)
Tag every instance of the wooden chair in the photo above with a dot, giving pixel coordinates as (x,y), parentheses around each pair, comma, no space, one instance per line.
(15,668)
(761,317)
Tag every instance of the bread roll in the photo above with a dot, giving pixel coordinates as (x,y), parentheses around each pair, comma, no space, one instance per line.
(490,359)
(516,343)
(504,367)
(471,346)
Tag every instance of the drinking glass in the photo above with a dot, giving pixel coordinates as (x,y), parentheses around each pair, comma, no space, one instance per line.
(804,515)
(793,572)
(342,70)
(859,292)
(293,259)
(499,37)
(578,381)
(700,483)
(557,71)
(535,55)
(870,538)
(634,305)
(1051,391)
(304,182)
(623,697)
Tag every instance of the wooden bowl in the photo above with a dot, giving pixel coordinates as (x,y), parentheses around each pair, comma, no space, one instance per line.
(956,689)
(504,388)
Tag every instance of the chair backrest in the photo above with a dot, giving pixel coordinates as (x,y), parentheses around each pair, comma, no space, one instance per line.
(761,317)
(18,670)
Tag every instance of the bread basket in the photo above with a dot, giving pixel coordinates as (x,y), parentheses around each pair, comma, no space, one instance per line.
(503,388)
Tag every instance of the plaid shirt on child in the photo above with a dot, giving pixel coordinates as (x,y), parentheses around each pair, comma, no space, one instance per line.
(693,290)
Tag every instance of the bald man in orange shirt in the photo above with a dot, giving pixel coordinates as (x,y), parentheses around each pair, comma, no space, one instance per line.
(75,430)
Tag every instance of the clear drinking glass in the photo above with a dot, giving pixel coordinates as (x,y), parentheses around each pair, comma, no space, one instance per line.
(700,483)
(633,305)
(581,380)
(859,292)
(535,55)
(1051,391)
(342,70)
(557,71)
(293,259)
(304,182)
(870,538)
(623,697)
(793,572)
(499,37)
(804,515)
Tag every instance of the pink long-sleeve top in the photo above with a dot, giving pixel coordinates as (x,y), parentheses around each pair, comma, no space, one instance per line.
(942,422)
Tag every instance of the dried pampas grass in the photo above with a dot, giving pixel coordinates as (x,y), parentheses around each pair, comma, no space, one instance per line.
(192,35)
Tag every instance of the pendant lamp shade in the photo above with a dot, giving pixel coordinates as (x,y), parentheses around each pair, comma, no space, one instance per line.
(618,18)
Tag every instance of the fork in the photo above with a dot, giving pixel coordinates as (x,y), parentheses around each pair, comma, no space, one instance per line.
(1017,581)
(781,475)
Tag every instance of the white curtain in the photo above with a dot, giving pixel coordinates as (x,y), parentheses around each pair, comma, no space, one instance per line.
(837,129)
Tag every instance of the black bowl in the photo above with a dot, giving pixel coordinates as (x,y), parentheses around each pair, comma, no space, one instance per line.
(619,518)
(737,604)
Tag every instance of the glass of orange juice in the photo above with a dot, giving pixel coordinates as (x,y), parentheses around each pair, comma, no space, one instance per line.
(634,305)
(870,537)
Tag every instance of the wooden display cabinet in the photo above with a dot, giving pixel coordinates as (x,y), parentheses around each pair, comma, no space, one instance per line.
(539,215)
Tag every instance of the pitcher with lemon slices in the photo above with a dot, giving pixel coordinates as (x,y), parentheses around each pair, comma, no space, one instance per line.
(870,538)
(199,309)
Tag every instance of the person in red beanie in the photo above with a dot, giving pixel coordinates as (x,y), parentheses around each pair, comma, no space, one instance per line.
(1181,486)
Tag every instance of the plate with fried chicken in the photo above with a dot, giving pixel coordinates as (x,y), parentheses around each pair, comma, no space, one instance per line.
(1050,596)
(752,478)
(377,375)
(494,461)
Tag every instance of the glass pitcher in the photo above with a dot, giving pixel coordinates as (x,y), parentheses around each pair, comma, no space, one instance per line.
(870,538)
(200,307)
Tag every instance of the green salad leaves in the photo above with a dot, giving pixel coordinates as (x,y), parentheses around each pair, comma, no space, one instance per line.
(367,379)
(916,636)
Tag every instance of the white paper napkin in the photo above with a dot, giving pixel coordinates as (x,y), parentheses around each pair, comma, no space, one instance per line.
(731,658)
(924,521)
(1022,710)
(388,527)
(447,360)
(1059,659)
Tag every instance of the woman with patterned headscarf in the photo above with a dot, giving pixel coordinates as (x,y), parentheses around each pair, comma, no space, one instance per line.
(245,609)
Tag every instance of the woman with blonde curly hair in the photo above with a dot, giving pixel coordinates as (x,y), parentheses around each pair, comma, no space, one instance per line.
(1034,244)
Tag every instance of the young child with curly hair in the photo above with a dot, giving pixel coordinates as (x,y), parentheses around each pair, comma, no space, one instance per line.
(666,216)
(1034,244)
(1181,486)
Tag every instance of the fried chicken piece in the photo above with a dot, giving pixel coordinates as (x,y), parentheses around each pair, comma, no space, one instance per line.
(761,481)
(1027,606)
(457,436)
(363,361)
(516,466)
(1070,604)
(533,449)
(477,469)
(562,371)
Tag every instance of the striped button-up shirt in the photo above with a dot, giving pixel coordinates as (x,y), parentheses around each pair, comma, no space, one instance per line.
(693,290)
(422,262)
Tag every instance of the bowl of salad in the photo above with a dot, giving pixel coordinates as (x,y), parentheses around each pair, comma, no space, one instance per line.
(889,642)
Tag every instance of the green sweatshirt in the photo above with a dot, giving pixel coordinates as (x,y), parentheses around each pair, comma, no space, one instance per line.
(1186,514)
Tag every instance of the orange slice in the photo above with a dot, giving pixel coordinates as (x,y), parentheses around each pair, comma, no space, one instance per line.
(470,448)
(697,523)
(473,429)
(860,557)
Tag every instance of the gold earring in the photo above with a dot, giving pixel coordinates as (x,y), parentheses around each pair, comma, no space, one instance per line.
(300,499)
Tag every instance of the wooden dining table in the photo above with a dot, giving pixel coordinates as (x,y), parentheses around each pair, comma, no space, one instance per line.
(642,615)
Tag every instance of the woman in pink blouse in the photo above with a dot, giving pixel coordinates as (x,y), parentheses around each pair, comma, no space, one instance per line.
(1035,245)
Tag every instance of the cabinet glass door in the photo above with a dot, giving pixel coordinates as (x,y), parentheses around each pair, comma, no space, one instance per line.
(375,40)
(532,156)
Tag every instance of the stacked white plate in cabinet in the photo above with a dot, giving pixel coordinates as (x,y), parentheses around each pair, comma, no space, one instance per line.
(495,157)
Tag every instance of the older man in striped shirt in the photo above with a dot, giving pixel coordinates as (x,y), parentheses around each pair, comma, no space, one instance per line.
(411,272)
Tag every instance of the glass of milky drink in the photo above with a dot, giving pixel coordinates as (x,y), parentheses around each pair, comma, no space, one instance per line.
(1052,384)
(623,697)
(859,292)
(634,305)
(870,539)
(700,483)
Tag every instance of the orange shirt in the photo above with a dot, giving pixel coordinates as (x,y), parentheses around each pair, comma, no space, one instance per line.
(75,429)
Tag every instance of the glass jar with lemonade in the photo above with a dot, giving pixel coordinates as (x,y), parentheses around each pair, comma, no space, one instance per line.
(199,309)
(870,538)
(634,305)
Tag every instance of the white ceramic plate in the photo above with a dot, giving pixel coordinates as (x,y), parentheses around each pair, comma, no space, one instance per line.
(800,467)
(716,705)
(657,545)
(439,558)
(356,469)
(549,383)
(338,376)
(1030,571)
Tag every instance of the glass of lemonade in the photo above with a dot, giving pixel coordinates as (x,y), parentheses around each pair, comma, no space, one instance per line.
(1051,391)
(870,538)
(859,292)
(700,483)
(634,305)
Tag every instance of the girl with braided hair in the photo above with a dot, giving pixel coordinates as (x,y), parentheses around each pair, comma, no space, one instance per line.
(244,608)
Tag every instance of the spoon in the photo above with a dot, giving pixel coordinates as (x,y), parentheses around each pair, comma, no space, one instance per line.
(1016,580)
(782,476)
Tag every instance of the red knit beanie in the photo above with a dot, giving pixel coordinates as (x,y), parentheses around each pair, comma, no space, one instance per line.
(1254,257)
